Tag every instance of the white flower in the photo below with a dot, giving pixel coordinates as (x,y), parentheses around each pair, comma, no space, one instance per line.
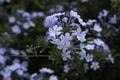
(41,14)
(94,66)
(82,54)
(14,52)
(34,14)
(74,14)
(61,44)
(2,51)
(66,55)
(26,25)
(46,70)
(58,14)
(31,24)
(76,32)
(82,46)
(81,21)
(80,35)
(64,42)
(66,38)
(74,25)
(2,59)
(20,72)
(50,21)
(89,58)
(65,19)
(97,27)
(90,22)
(110,58)
(104,13)
(11,19)
(106,47)
(59,8)
(66,68)
(25,14)
(98,42)
(16,29)
(53,77)
(113,19)
(15,66)
(90,46)
(6,73)
(33,76)
(55,30)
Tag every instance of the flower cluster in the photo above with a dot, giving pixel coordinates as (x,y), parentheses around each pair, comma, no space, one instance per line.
(70,34)
(23,20)
(45,74)
(74,46)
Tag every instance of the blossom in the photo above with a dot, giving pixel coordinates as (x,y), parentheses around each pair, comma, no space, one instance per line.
(46,70)
(102,14)
(65,19)
(82,46)
(55,30)
(40,14)
(61,44)
(66,55)
(6,73)
(2,50)
(90,22)
(113,19)
(15,66)
(33,76)
(14,52)
(16,29)
(25,14)
(80,35)
(98,42)
(2,59)
(81,22)
(26,25)
(89,57)
(11,19)
(34,14)
(66,37)
(94,66)
(53,77)
(74,14)
(110,58)
(50,21)
(90,46)
(31,23)
(19,72)
(66,68)
(82,54)
(64,45)
(76,32)
(97,27)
